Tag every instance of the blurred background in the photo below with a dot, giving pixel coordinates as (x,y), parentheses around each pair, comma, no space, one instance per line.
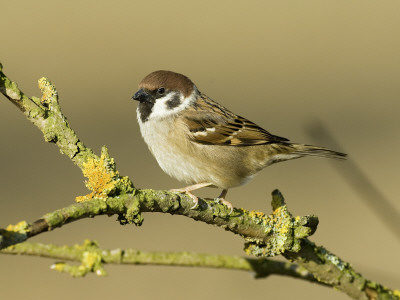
(282,64)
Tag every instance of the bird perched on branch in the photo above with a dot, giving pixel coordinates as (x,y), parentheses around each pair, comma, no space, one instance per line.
(200,142)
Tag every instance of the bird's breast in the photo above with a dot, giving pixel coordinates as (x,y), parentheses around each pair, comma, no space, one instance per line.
(169,145)
(191,162)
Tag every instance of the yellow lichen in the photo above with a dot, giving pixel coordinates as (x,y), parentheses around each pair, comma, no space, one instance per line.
(91,260)
(256,214)
(60,266)
(283,225)
(258,217)
(48,89)
(282,219)
(101,177)
(14,234)
(396,293)
(20,227)
(279,225)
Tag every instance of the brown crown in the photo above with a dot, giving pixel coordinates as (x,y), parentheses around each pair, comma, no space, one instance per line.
(169,80)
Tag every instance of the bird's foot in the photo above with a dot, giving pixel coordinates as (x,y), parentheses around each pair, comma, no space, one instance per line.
(226,203)
(184,191)
(188,191)
(221,199)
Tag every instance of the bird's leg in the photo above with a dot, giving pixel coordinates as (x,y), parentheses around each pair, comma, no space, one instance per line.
(188,191)
(221,198)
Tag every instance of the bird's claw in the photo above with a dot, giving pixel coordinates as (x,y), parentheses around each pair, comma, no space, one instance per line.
(193,197)
(226,203)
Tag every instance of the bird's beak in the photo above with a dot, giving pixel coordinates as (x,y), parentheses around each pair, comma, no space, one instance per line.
(142,96)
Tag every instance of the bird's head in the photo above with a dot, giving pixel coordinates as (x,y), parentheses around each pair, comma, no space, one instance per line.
(162,94)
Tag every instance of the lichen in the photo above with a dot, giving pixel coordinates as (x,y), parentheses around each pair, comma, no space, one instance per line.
(9,87)
(20,227)
(103,178)
(13,92)
(14,234)
(257,217)
(49,91)
(91,261)
(132,214)
(278,225)
(284,231)
(325,255)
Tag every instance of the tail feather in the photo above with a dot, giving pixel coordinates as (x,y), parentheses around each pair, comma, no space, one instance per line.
(308,150)
(287,151)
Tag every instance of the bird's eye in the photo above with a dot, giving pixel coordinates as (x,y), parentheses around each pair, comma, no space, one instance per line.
(161,91)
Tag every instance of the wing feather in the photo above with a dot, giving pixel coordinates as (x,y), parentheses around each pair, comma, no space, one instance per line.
(210,123)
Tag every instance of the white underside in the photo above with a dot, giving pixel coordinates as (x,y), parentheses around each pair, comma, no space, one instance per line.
(182,167)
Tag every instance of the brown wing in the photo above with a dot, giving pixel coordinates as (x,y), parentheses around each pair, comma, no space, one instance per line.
(218,126)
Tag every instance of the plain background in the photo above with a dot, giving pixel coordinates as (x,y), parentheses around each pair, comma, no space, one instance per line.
(281,64)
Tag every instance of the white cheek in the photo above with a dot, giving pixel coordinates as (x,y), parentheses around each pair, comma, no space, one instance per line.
(161,109)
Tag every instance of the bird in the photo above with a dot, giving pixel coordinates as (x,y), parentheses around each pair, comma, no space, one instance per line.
(199,142)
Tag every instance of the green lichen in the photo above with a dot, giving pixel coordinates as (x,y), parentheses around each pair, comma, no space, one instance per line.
(168,202)
(50,132)
(9,87)
(279,226)
(13,91)
(260,218)
(91,261)
(123,186)
(305,226)
(285,232)
(341,274)
(132,214)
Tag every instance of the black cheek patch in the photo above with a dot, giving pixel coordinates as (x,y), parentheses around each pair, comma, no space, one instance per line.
(174,102)
(145,109)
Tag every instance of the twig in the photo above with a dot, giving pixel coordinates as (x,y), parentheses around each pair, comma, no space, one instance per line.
(261,267)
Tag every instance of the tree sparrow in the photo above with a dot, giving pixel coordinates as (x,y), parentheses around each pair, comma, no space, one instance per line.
(200,142)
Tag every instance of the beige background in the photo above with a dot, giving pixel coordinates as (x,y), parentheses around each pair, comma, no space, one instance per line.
(281,64)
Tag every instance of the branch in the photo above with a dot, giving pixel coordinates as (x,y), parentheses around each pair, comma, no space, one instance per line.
(45,114)
(92,259)
(278,230)
(278,233)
